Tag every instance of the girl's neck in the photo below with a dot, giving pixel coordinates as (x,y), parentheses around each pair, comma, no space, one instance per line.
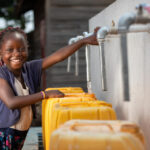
(17,75)
(20,78)
(17,72)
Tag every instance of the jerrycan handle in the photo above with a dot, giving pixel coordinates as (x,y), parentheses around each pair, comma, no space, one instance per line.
(74,126)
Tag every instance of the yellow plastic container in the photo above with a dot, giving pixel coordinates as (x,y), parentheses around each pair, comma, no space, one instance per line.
(92,95)
(105,126)
(65,90)
(47,106)
(99,110)
(68,89)
(96,135)
(62,112)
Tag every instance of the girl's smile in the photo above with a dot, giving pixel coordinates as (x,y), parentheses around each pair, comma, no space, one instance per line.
(14,52)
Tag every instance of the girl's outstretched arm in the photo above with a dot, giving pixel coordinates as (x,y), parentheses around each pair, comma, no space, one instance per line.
(13,102)
(64,52)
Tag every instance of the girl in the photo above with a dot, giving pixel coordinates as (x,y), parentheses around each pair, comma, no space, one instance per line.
(19,81)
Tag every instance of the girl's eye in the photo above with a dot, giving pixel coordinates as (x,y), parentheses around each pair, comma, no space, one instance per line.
(22,49)
(9,50)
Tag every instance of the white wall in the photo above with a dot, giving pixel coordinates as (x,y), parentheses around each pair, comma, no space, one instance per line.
(137,109)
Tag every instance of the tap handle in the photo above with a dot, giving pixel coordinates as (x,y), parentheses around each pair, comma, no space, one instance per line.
(141,7)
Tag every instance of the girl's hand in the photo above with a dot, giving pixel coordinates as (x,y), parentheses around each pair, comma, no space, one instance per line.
(54,94)
(92,40)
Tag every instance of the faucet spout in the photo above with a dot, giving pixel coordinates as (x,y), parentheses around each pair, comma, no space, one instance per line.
(102,32)
(134,18)
(125,21)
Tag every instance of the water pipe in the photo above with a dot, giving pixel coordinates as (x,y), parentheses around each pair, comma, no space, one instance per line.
(123,27)
(77,56)
(101,34)
(71,41)
(87,55)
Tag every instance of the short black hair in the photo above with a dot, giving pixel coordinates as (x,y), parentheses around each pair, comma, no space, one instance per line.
(9,30)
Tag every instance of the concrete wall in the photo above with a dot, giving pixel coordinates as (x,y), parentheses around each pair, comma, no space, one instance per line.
(137,109)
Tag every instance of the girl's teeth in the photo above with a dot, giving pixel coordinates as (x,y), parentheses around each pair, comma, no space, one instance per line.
(16,60)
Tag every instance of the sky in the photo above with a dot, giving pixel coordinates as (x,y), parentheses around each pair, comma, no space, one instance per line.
(28,26)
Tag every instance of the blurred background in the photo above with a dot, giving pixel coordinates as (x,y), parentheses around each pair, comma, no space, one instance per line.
(49,24)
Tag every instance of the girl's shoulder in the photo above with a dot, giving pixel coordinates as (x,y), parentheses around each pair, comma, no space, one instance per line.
(32,71)
(33,66)
(33,63)
(4,72)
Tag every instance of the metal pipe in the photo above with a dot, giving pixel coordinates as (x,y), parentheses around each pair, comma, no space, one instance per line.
(77,56)
(124,22)
(71,41)
(86,34)
(101,34)
(76,63)
(69,58)
(102,63)
(88,75)
(131,29)
(125,74)
(131,18)
(87,55)
(123,27)
(69,64)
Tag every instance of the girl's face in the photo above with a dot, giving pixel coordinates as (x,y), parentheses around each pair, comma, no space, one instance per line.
(14,51)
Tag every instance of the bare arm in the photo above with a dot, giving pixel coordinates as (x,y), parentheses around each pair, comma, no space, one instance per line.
(64,52)
(13,102)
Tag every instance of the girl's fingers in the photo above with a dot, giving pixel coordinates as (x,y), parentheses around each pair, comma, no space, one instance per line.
(96,29)
(54,93)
